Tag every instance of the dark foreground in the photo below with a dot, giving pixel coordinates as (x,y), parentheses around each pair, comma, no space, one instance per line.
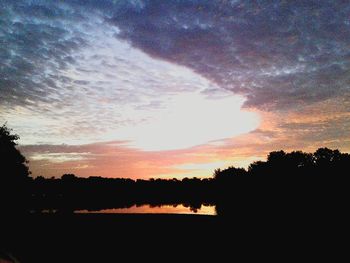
(112,237)
(94,237)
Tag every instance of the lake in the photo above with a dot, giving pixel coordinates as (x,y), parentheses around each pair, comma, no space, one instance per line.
(148,209)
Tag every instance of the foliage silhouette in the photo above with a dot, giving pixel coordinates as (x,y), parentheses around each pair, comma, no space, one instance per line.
(295,181)
(14,177)
(305,183)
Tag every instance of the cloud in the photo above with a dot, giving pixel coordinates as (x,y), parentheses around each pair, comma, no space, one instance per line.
(81,71)
(278,53)
(76,81)
(306,128)
(108,159)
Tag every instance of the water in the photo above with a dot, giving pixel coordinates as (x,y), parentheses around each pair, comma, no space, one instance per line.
(148,209)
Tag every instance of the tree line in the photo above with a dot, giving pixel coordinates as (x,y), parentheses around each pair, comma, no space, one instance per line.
(294,180)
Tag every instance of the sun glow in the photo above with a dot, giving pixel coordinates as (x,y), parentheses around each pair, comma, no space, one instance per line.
(189,120)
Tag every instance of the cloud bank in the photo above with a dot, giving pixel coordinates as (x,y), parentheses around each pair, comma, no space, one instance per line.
(82,72)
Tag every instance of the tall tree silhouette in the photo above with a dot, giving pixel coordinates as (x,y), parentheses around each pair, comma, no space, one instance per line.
(14,172)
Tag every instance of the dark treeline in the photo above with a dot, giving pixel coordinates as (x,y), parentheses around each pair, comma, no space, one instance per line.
(295,180)
(94,193)
(285,181)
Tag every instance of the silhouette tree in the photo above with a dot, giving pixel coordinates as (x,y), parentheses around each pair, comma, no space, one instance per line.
(229,173)
(14,176)
(68,177)
(326,157)
(258,168)
(276,157)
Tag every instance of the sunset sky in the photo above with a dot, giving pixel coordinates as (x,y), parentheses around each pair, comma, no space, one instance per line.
(167,89)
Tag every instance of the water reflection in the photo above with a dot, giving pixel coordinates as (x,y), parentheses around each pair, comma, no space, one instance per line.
(163,209)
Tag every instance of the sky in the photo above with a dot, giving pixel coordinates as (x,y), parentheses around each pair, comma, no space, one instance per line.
(172,89)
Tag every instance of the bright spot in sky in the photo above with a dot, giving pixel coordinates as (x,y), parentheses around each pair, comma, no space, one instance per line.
(192,119)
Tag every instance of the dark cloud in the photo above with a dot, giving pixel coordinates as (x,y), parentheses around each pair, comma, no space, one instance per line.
(36,43)
(277,53)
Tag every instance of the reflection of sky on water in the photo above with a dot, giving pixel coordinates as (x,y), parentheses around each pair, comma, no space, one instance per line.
(165,209)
